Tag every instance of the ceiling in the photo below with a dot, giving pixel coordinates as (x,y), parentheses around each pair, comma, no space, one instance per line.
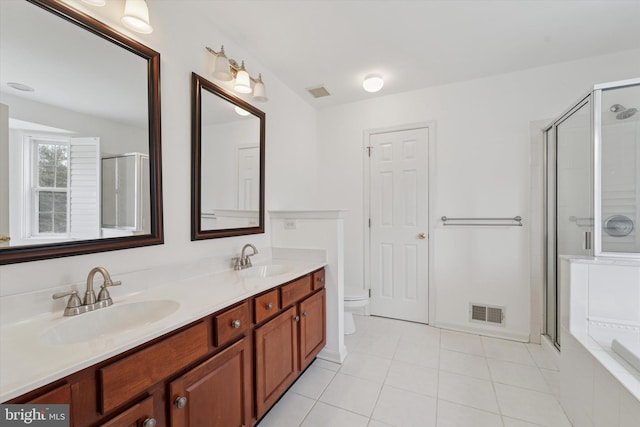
(415,44)
(40,50)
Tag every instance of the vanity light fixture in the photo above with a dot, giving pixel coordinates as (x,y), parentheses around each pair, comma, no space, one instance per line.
(243,81)
(136,16)
(226,69)
(221,69)
(373,83)
(259,92)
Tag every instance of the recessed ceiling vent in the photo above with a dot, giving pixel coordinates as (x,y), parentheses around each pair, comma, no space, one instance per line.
(486,314)
(318,91)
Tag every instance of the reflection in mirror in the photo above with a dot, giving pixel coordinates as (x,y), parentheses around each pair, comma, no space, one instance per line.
(228,163)
(80,135)
(620,176)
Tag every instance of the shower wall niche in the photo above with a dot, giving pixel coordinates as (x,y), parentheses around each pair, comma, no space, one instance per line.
(592,184)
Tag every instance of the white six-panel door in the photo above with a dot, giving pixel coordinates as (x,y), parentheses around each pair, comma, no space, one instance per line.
(399,224)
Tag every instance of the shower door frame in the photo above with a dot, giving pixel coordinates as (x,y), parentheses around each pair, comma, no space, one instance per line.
(594,96)
(551,240)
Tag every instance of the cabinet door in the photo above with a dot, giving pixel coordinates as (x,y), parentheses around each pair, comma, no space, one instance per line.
(139,415)
(276,353)
(313,332)
(216,393)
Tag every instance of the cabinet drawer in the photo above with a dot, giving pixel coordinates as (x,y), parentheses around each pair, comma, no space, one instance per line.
(231,323)
(318,279)
(296,290)
(266,306)
(130,376)
(59,395)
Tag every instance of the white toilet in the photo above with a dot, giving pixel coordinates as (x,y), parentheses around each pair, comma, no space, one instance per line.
(354,300)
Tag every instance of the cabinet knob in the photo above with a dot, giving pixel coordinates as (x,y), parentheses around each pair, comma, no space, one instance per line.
(321,279)
(304,313)
(180,402)
(297,318)
(235,324)
(269,306)
(149,422)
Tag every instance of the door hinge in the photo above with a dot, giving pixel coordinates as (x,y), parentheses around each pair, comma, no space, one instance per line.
(369,222)
(369,292)
(369,150)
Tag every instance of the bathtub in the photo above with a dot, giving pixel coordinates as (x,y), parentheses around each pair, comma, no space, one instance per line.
(629,350)
(600,341)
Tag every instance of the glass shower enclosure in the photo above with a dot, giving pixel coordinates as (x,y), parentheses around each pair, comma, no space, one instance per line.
(592,184)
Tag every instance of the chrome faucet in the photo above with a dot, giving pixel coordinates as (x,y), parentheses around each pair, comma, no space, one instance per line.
(243,261)
(90,303)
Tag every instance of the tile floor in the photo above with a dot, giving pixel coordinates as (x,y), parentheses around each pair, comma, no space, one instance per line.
(405,374)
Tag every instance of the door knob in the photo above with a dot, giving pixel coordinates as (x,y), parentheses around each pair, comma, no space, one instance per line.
(422,236)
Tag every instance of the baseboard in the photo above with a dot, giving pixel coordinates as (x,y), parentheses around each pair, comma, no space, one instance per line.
(484,332)
(333,356)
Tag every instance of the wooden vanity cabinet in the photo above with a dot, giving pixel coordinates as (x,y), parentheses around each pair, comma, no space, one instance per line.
(141,414)
(216,393)
(287,344)
(224,370)
(313,327)
(277,358)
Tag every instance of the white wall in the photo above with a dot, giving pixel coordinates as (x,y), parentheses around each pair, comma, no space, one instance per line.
(481,169)
(181,37)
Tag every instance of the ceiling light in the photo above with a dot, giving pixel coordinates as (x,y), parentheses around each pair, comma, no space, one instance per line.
(226,69)
(136,16)
(20,86)
(99,3)
(242,111)
(373,83)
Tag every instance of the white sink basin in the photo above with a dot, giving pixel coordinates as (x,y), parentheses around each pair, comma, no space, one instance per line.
(112,320)
(264,271)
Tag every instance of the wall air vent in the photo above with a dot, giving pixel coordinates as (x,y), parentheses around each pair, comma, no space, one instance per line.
(486,314)
(318,91)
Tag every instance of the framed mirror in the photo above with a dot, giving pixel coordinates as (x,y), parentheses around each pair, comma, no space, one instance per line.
(80,160)
(227,169)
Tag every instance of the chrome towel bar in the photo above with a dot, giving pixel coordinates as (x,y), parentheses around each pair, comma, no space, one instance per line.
(516,221)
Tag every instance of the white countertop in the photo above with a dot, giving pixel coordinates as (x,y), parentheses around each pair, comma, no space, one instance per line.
(27,362)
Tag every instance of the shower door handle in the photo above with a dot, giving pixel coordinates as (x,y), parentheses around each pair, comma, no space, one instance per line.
(587,240)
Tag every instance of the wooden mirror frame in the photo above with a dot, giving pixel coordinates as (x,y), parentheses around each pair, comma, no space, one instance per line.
(198,84)
(62,249)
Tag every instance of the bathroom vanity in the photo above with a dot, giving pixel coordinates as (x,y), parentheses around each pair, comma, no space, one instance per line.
(226,368)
